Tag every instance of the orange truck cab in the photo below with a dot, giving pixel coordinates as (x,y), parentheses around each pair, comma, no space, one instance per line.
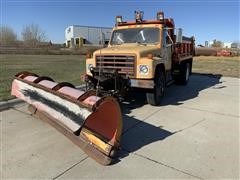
(144,54)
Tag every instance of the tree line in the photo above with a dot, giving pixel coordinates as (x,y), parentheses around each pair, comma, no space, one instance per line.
(32,35)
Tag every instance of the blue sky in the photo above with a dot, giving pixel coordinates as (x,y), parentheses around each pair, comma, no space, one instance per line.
(206,20)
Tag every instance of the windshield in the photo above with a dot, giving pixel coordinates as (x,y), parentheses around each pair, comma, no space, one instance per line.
(135,35)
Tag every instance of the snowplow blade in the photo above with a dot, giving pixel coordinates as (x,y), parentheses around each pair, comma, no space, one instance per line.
(93,123)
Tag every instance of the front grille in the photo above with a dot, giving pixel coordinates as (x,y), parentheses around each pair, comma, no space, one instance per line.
(122,63)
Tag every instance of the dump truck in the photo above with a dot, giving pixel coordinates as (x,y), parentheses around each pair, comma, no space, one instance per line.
(144,54)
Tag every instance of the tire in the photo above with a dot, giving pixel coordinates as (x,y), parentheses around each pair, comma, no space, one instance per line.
(155,97)
(185,71)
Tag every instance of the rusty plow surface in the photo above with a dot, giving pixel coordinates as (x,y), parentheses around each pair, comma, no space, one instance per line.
(93,123)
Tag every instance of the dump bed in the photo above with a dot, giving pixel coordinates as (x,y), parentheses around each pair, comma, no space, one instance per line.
(184,50)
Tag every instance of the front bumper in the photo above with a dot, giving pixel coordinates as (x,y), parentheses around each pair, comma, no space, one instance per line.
(142,83)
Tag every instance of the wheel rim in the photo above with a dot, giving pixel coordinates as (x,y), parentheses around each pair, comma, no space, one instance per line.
(187,72)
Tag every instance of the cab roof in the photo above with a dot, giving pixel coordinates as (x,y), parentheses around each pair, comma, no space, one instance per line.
(168,22)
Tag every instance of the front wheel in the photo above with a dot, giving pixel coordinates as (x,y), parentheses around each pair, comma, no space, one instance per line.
(155,97)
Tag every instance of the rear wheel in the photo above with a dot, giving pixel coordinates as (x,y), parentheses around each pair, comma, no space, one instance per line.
(185,71)
(154,98)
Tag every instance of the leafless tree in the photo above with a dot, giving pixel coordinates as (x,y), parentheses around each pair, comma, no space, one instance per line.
(7,36)
(33,35)
(217,44)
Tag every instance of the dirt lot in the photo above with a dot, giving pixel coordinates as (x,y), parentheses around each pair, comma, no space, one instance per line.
(69,67)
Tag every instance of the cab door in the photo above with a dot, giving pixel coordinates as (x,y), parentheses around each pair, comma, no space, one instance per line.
(167,50)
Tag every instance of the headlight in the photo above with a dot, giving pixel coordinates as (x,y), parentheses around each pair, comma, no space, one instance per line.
(143,69)
(89,67)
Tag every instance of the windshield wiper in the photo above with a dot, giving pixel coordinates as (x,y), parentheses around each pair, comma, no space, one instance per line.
(142,43)
(118,43)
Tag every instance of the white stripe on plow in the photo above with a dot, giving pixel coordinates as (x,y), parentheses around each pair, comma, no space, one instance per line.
(73,110)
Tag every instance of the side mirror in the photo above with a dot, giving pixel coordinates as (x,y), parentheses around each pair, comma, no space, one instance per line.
(179,32)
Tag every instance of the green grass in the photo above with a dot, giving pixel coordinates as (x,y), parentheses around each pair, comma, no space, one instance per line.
(225,66)
(69,67)
(59,67)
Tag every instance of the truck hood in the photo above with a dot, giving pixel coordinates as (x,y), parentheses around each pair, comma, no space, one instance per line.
(139,50)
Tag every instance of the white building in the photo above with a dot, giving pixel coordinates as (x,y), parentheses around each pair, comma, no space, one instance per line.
(76,35)
(210,43)
(224,44)
(235,45)
(227,45)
